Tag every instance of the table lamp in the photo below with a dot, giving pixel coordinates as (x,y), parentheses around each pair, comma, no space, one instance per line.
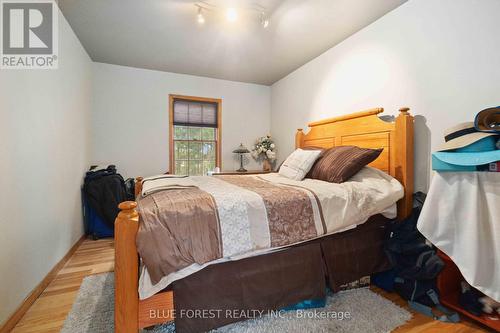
(240,151)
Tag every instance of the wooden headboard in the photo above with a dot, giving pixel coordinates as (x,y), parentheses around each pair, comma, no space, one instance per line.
(365,129)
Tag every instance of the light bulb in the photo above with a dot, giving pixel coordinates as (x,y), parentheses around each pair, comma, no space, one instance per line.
(264,21)
(231,14)
(201,18)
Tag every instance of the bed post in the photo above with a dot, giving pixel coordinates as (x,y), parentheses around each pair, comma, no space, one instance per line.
(126,269)
(404,160)
(299,137)
(138,186)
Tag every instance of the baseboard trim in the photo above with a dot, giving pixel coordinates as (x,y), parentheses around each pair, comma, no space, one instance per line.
(12,321)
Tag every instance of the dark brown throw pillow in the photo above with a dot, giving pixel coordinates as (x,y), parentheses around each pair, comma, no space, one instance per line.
(338,164)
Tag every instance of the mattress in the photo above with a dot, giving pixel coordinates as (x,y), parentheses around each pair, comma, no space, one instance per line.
(251,215)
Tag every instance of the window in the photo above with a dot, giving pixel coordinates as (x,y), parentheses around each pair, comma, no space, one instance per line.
(194,135)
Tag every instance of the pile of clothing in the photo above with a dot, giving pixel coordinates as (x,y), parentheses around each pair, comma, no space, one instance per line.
(416,266)
(471,146)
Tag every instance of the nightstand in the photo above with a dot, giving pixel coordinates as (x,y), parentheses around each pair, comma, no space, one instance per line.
(248,172)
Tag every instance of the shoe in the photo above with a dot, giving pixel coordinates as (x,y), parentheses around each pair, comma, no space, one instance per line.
(469,299)
(489,305)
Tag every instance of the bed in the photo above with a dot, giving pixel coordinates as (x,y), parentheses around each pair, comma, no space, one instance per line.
(300,271)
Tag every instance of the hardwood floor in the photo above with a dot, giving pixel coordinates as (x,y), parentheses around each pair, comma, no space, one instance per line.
(92,257)
(49,311)
(420,323)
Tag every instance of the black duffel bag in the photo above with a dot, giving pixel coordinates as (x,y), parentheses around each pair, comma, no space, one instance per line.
(416,266)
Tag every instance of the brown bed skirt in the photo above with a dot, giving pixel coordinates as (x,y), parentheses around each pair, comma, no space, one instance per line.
(237,290)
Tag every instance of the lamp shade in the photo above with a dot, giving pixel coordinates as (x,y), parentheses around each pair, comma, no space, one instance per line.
(241,149)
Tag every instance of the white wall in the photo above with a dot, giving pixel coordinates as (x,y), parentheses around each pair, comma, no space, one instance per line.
(44,151)
(440,58)
(130,121)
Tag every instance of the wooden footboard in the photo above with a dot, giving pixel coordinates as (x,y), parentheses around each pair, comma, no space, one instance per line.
(131,314)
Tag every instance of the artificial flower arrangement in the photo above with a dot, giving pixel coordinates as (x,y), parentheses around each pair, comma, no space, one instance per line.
(264,149)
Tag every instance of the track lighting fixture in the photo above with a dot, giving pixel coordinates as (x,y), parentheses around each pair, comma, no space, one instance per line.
(264,21)
(201,18)
(231,13)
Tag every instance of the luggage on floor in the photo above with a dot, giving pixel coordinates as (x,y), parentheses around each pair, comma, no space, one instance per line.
(102,191)
(93,224)
(416,266)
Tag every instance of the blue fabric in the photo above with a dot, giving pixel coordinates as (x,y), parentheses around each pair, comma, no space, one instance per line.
(439,165)
(384,280)
(94,225)
(478,153)
(98,228)
(484,145)
(307,304)
(448,316)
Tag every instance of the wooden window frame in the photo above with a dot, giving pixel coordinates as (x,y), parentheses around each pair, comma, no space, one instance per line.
(218,101)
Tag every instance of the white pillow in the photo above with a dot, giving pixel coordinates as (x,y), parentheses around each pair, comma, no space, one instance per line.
(298,164)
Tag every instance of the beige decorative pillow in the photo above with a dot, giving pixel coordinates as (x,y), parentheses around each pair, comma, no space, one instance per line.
(299,163)
(307,148)
(338,164)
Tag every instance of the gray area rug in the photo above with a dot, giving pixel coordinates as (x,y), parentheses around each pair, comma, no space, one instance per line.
(358,310)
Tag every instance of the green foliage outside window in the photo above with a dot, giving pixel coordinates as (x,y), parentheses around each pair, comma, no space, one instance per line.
(194,150)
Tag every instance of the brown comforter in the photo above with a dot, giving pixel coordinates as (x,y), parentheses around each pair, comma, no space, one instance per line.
(179,227)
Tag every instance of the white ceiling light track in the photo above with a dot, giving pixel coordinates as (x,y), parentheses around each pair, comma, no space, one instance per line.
(231,13)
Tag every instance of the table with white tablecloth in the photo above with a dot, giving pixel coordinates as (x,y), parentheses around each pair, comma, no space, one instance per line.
(461,216)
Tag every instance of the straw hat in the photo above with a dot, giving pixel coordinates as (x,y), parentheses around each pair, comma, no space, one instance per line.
(462,135)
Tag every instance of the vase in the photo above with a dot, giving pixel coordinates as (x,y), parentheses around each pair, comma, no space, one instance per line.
(266,165)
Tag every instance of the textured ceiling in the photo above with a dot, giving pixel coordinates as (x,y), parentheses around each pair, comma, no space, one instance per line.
(165,35)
